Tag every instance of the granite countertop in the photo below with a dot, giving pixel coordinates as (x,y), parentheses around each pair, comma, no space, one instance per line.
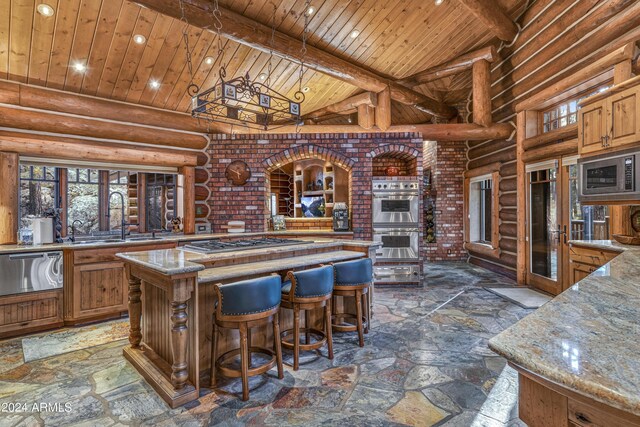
(586,339)
(8,249)
(217,274)
(180,260)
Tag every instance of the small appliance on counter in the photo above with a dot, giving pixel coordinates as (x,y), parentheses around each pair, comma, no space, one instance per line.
(203,228)
(42,230)
(340,217)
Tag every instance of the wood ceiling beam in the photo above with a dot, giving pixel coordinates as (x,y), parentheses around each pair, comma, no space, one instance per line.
(248,32)
(489,12)
(455,66)
(346,106)
(435,132)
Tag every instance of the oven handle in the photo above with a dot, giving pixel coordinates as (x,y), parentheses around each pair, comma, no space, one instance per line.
(386,231)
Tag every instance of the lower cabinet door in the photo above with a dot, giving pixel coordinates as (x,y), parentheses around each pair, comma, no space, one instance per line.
(99,289)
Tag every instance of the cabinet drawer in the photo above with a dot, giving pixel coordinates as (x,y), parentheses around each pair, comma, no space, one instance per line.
(27,311)
(596,257)
(90,256)
(583,415)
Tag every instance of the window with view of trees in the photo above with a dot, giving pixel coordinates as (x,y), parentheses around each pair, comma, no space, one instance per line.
(38,191)
(83,195)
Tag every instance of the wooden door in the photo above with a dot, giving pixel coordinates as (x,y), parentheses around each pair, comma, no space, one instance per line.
(592,127)
(545,255)
(623,126)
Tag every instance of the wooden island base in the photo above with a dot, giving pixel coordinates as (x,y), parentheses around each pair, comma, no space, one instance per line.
(543,403)
(171,315)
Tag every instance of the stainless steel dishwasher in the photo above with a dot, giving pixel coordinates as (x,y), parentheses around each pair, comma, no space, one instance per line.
(30,272)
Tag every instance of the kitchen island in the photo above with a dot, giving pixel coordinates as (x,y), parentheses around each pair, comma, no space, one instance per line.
(171,304)
(577,356)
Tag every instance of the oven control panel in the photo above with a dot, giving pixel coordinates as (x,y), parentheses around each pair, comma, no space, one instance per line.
(628,173)
(395,186)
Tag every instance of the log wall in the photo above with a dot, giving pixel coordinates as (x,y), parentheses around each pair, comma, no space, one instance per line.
(557,39)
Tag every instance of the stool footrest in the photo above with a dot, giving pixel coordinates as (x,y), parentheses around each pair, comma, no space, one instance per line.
(341,327)
(321,339)
(236,373)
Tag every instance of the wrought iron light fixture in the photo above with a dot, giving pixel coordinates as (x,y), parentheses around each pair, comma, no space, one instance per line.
(243,101)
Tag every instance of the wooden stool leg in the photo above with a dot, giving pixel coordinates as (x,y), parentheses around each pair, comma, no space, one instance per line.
(277,344)
(307,322)
(296,336)
(214,353)
(359,316)
(365,302)
(244,361)
(327,327)
(333,306)
(249,345)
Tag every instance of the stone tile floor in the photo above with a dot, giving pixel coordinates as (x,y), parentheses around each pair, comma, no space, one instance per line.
(425,363)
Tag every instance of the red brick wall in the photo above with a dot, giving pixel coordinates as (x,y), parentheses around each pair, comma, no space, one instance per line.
(261,152)
(447,161)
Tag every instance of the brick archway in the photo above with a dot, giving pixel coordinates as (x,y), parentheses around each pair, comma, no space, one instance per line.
(396,151)
(305,152)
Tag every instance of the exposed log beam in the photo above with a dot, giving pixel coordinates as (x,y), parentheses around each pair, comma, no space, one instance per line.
(78,149)
(366,116)
(188,200)
(346,106)
(248,32)
(9,182)
(546,138)
(482,93)
(53,100)
(383,110)
(435,132)
(455,66)
(60,123)
(564,148)
(578,81)
(489,12)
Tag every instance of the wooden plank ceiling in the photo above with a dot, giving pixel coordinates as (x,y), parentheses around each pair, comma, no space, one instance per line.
(397,38)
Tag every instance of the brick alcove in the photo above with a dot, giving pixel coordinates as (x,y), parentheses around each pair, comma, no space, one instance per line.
(404,158)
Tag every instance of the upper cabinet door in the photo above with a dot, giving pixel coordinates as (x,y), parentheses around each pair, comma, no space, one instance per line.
(592,127)
(623,126)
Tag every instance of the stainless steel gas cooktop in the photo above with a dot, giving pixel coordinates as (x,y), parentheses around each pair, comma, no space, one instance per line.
(217,246)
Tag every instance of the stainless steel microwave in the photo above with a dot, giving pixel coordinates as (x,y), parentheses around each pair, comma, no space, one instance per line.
(610,177)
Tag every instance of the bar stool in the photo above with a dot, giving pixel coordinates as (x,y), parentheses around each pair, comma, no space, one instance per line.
(244,305)
(353,279)
(307,290)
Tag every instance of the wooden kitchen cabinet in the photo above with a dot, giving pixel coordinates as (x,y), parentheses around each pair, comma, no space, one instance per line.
(95,284)
(30,312)
(583,261)
(609,120)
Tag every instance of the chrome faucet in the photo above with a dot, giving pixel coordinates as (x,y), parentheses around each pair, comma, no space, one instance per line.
(123,224)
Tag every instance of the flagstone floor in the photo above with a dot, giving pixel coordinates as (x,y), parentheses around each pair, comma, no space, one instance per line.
(425,363)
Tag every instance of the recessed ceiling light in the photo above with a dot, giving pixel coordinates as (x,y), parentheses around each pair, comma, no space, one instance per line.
(355,33)
(139,39)
(208,60)
(154,84)
(262,76)
(305,89)
(439,2)
(45,10)
(79,67)
(311,10)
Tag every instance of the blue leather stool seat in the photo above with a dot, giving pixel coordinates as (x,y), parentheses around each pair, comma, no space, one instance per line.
(308,290)
(244,305)
(250,296)
(352,273)
(353,279)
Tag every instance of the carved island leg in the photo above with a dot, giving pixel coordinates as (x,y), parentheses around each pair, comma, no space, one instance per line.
(135,311)
(179,338)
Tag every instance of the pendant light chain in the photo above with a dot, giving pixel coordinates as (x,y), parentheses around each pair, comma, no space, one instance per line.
(303,50)
(193,88)
(273,41)
(217,24)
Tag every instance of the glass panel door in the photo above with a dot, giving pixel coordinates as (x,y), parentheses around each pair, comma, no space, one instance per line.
(544,270)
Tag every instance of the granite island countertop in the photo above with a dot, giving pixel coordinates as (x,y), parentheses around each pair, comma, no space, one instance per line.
(178,238)
(181,260)
(586,339)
